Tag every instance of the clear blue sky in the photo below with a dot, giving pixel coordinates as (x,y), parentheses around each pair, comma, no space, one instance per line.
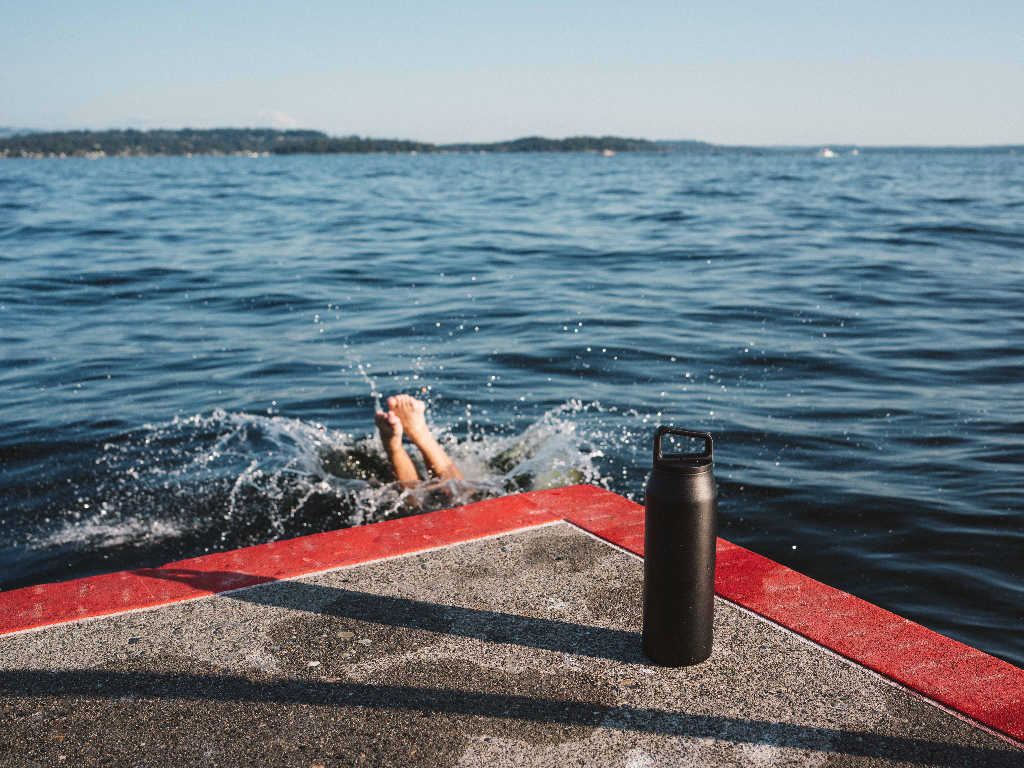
(726,71)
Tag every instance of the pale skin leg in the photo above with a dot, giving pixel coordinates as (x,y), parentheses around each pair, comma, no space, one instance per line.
(409,412)
(390,428)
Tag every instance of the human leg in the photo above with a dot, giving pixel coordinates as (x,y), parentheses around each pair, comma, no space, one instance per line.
(390,428)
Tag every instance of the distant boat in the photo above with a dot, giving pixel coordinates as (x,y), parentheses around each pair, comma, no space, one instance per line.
(608,152)
(826,152)
(855,152)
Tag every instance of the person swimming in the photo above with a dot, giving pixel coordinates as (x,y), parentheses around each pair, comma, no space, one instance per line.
(405,416)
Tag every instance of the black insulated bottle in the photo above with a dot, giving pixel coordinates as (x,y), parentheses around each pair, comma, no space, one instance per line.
(681,526)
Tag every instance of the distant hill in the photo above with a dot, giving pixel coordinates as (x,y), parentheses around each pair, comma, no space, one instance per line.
(218,141)
(574,144)
(230,141)
(349,145)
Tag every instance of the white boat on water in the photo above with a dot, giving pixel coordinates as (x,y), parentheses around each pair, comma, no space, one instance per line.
(825,152)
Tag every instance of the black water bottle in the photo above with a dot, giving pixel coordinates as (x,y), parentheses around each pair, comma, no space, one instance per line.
(681,525)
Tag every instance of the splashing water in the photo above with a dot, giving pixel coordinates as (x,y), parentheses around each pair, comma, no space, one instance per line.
(372,382)
(228,480)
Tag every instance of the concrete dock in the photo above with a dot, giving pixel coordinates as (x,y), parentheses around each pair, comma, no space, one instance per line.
(501,633)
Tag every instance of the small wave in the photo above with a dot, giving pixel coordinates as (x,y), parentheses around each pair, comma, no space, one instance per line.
(889,240)
(128,197)
(710,192)
(28,231)
(665,216)
(951,230)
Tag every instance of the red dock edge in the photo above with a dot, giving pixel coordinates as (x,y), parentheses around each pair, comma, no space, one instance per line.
(972,683)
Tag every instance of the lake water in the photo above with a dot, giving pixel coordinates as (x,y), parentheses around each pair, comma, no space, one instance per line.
(193,349)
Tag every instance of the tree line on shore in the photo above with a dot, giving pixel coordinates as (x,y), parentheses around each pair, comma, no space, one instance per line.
(235,141)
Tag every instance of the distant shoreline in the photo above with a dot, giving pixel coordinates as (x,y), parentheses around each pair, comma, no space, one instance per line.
(266,141)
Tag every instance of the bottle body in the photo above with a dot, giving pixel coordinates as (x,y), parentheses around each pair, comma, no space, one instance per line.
(681,527)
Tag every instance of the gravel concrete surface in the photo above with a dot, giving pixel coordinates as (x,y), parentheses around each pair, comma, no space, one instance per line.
(518,650)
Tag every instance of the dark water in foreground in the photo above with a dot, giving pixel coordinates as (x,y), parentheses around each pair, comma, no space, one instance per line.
(192,347)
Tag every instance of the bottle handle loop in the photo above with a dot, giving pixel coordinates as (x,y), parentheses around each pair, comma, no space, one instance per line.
(662,431)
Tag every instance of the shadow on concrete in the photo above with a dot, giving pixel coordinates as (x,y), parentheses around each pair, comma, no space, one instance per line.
(478,624)
(226,688)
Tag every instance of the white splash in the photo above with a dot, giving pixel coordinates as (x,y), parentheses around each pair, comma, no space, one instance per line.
(242,478)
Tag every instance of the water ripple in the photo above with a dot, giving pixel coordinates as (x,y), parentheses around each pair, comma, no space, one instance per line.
(194,347)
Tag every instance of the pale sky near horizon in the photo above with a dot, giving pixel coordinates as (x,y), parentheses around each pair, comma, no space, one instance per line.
(729,72)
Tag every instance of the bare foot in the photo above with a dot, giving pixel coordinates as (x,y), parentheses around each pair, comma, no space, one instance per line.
(390,428)
(410,412)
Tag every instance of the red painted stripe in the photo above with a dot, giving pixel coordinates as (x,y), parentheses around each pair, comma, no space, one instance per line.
(981,686)
(962,678)
(47,604)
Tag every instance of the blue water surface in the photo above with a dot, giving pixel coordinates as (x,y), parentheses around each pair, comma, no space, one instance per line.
(193,349)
